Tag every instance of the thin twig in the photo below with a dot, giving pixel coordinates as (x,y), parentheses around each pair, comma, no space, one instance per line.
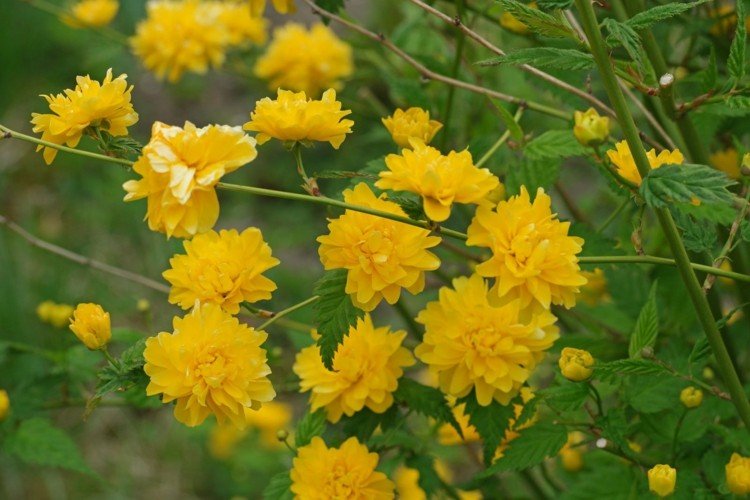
(728,245)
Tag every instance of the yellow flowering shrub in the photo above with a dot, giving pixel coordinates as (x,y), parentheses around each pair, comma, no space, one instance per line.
(92,13)
(412,123)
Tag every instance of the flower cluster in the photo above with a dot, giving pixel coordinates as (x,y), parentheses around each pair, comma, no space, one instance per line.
(57,315)
(105,106)
(92,13)
(413,123)
(623,160)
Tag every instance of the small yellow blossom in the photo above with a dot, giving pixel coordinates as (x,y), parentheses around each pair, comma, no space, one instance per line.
(738,474)
(179,169)
(143,305)
(381,256)
(4,404)
(440,180)
(595,290)
(366,369)
(268,420)
(57,315)
(406,480)
(533,258)
(242,26)
(414,123)
(105,105)
(319,472)
(691,397)
(91,325)
(662,479)
(474,343)
(591,129)
(225,268)
(92,13)
(211,363)
(728,161)
(281,6)
(294,117)
(571,454)
(576,364)
(305,61)
(626,168)
(513,24)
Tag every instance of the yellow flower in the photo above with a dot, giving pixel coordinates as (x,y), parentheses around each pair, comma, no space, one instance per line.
(268,420)
(281,6)
(414,123)
(576,364)
(406,480)
(474,343)
(179,36)
(533,258)
(728,161)
(661,480)
(179,169)
(92,13)
(348,472)
(91,325)
(571,455)
(57,315)
(223,268)
(738,474)
(294,117)
(4,404)
(242,26)
(382,256)
(595,290)
(305,61)
(623,160)
(691,397)
(366,369)
(440,180)
(590,128)
(512,24)
(210,364)
(105,105)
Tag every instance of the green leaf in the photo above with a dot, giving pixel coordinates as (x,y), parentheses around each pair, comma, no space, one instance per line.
(623,34)
(720,214)
(513,126)
(711,74)
(364,423)
(279,488)
(554,144)
(533,174)
(410,204)
(545,57)
(538,21)
(490,422)
(334,313)
(311,425)
(609,371)
(37,442)
(645,19)
(566,397)
(701,351)
(547,5)
(429,480)
(128,375)
(536,443)
(698,235)
(736,60)
(425,400)
(647,326)
(672,184)
(344,174)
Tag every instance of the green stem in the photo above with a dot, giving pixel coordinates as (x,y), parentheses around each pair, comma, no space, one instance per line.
(493,148)
(310,184)
(115,364)
(597,398)
(702,309)
(649,259)
(277,316)
(677,433)
(460,42)
(613,216)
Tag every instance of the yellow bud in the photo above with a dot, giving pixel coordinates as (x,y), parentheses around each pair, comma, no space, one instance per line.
(691,397)
(591,129)
(282,435)
(43,310)
(91,325)
(572,460)
(636,447)
(4,404)
(143,305)
(576,364)
(738,474)
(708,373)
(661,479)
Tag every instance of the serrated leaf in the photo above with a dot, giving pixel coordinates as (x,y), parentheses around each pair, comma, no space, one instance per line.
(364,423)
(490,422)
(686,183)
(701,351)
(279,488)
(311,425)
(711,74)
(720,214)
(607,371)
(411,205)
(548,5)
(554,144)
(533,174)
(425,400)
(37,442)
(645,19)
(513,126)
(334,313)
(736,60)
(646,327)
(566,397)
(532,447)
(537,21)
(130,372)
(698,235)
(623,34)
(545,57)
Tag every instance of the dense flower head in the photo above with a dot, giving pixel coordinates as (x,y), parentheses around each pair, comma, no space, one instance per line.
(662,479)
(57,315)
(4,404)
(282,6)
(533,258)
(381,256)
(347,472)
(92,13)
(691,397)
(413,123)
(105,105)
(576,364)
(271,418)
(473,341)
(571,454)
(180,167)
(224,268)
(590,128)
(305,60)
(366,368)
(728,161)
(210,364)
(738,474)
(440,180)
(242,26)
(623,160)
(293,117)
(91,325)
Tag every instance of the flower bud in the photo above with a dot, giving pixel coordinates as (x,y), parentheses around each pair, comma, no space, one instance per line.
(91,325)
(414,123)
(661,479)
(738,474)
(590,128)
(571,455)
(282,435)
(4,404)
(576,364)
(57,315)
(691,397)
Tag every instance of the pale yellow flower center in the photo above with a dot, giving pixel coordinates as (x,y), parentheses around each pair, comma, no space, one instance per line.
(377,247)
(339,483)
(211,367)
